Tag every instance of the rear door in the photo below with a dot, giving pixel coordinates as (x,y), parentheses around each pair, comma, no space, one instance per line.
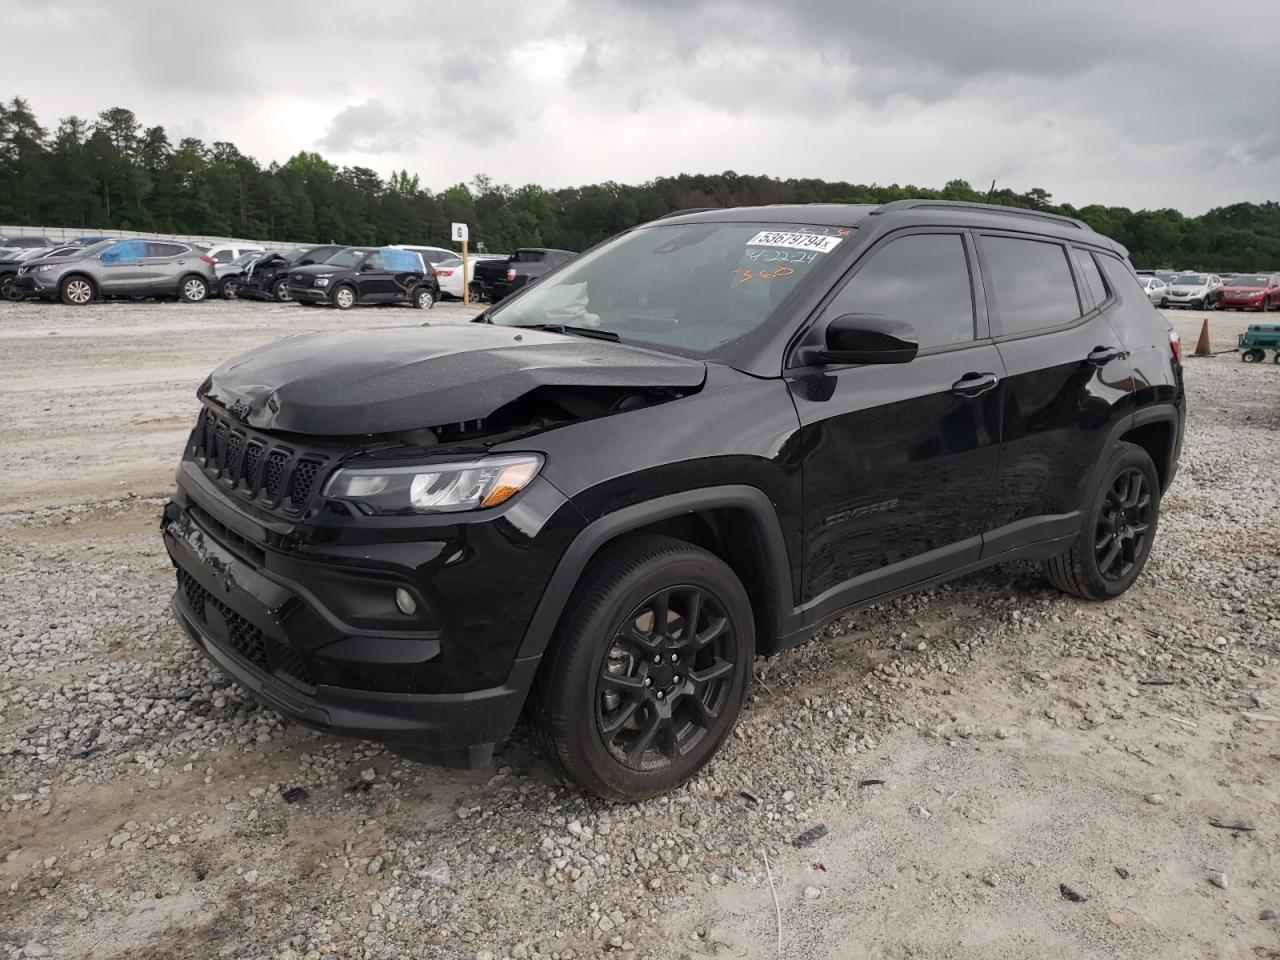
(1068,381)
(167,263)
(374,282)
(900,459)
(125,269)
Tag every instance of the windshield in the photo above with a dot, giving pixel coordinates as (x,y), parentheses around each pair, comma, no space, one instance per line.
(688,287)
(246,258)
(1192,280)
(347,258)
(1249,280)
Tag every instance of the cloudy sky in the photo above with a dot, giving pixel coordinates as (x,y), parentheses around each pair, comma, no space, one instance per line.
(1133,102)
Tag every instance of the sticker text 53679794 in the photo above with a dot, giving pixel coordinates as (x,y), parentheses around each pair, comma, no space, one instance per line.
(796,241)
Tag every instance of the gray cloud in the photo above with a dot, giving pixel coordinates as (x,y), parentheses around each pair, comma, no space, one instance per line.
(1139,103)
(373,127)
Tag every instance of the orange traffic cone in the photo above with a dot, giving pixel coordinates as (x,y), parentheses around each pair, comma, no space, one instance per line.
(1202,345)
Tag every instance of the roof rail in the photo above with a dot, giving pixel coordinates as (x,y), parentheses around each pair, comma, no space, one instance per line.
(993,208)
(687,210)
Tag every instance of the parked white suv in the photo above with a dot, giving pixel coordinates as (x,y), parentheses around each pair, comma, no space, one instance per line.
(226,252)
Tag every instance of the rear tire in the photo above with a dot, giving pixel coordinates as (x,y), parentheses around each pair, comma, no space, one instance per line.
(629,709)
(1254,356)
(77,291)
(423,298)
(1118,530)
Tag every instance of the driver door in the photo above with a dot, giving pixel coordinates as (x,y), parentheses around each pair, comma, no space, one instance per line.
(900,459)
(374,283)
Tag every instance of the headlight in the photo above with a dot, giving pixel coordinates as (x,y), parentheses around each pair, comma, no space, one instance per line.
(436,487)
(322,281)
(44,268)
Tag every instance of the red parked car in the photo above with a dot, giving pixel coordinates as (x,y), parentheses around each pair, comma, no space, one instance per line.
(1250,291)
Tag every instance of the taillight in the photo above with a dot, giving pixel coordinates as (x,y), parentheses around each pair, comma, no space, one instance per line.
(511,274)
(208,260)
(1175,346)
(444,273)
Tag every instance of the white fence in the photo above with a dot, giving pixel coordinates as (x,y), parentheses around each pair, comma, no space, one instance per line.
(66,234)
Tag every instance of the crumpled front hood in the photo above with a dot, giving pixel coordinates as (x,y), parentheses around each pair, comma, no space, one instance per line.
(406,378)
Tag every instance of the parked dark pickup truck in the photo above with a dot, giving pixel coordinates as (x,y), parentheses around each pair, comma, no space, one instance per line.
(494,279)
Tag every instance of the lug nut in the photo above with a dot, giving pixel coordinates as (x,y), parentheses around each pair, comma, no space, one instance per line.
(675,658)
(657,658)
(648,681)
(676,678)
(660,694)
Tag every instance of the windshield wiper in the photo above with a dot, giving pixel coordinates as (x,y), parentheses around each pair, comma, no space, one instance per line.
(590,332)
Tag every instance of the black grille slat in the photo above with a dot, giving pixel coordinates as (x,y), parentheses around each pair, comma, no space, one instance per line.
(273,474)
(219,446)
(252,461)
(231,467)
(304,479)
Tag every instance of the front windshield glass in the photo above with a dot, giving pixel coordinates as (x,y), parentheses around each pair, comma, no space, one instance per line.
(246,258)
(1192,280)
(347,258)
(1249,280)
(689,287)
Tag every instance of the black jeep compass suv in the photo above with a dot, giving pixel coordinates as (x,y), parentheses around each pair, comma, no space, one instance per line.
(691,446)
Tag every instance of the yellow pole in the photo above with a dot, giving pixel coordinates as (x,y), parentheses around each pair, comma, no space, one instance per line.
(466,282)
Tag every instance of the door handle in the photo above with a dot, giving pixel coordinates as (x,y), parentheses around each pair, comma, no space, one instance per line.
(974,384)
(1103,355)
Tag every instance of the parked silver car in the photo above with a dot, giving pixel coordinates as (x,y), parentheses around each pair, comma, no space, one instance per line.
(1157,290)
(1200,291)
(121,268)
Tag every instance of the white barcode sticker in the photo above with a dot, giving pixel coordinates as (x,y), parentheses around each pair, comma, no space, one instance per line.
(798,241)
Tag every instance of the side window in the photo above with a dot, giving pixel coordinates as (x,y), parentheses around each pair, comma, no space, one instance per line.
(401,261)
(375,261)
(920,278)
(1031,282)
(223,256)
(126,251)
(164,250)
(1120,277)
(1087,269)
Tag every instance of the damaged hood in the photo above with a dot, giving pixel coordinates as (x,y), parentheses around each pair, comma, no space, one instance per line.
(405,378)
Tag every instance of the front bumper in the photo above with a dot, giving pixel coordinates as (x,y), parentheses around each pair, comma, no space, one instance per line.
(308,627)
(309,294)
(1242,303)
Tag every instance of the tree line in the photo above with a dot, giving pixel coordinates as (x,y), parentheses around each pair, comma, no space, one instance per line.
(114,173)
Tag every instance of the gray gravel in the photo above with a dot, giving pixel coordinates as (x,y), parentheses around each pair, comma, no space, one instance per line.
(149,808)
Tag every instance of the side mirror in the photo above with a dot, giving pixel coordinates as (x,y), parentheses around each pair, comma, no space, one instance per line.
(869,338)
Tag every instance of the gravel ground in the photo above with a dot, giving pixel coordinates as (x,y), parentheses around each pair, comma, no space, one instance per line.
(969,749)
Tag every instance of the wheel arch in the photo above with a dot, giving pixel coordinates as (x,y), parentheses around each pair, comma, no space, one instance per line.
(738,523)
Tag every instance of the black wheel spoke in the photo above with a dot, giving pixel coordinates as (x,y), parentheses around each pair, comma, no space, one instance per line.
(648,642)
(648,733)
(1109,558)
(629,686)
(717,671)
(661,614)
(615,721)
(702,715)
(689,627)
(714,632)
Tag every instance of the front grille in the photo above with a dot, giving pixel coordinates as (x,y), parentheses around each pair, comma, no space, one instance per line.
(273,474)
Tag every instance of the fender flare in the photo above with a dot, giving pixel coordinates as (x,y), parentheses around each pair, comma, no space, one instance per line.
(573,562)
(1143,416)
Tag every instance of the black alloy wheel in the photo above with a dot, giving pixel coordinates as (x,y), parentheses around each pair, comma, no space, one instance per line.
(665,680)
(648,670)
(1116,532)
(1123,524)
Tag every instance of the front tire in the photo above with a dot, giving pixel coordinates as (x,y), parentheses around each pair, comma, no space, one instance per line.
(649,669)
(344,298)
(229,289)
(1254,356)
(280,292)
(77,291)
(1118,531)
(193,290)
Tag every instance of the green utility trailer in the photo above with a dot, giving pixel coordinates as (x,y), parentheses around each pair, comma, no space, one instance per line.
(1257,340)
